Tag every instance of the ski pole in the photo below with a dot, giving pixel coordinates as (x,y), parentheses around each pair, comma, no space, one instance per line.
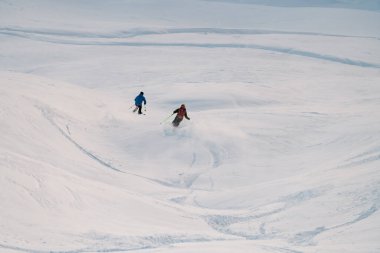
(166,118)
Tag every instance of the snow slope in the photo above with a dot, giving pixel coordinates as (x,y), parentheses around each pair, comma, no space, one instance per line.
(373,5)
(281,153)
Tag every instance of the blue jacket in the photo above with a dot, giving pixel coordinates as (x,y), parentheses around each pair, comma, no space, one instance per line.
(140,99)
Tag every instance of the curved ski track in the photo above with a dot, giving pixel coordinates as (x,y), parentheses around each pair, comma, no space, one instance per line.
(102,39)
(47,114)
(111,243)
(223,223)
(220,223)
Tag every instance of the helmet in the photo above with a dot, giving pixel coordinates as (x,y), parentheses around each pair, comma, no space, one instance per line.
(141,93)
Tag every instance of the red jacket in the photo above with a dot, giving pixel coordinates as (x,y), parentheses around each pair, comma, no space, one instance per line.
(181,112)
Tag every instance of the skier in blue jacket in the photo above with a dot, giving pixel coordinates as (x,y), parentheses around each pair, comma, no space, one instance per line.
(139,100)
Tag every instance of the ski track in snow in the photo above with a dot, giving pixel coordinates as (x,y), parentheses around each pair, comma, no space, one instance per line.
(143,32)
(304,238)
(111,243)
(222,223)
(71,38)
(272,216)
(47,114)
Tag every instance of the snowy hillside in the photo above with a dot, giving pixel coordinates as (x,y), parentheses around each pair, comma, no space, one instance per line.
(281,153)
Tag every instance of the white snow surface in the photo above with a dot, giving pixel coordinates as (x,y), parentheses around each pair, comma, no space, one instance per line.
(281,154)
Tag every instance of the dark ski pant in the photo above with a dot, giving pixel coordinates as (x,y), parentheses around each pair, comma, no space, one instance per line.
(177,120)
(138,107)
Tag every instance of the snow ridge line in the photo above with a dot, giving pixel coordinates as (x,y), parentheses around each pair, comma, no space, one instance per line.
(41,36)
(137,32)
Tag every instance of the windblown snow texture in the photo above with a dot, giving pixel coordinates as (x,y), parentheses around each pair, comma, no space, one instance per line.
(281,153)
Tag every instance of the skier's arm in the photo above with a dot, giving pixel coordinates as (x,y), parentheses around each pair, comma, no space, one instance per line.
(144,101)
(186,116)
(175,111)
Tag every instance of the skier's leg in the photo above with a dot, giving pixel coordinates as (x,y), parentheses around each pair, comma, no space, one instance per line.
(136,108)
(176,121)
(140,107)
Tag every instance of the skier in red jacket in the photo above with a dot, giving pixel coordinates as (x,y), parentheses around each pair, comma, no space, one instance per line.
(181,112)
